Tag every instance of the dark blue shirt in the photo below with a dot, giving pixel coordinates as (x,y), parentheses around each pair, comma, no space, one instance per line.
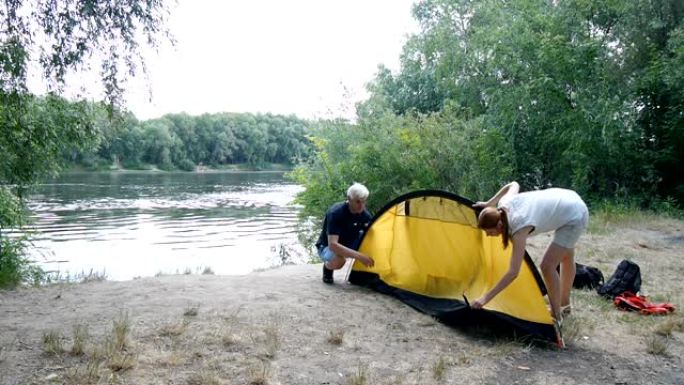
(339,220)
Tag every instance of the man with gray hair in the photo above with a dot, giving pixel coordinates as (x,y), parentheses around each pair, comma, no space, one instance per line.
(343,226)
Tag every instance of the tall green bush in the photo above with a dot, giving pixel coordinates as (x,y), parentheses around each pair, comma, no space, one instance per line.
(14,267)
(393,155)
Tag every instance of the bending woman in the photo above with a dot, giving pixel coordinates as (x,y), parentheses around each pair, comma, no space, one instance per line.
(517,216)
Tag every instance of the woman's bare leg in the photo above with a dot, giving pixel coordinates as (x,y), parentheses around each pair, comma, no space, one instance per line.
(567,276)
(552,258)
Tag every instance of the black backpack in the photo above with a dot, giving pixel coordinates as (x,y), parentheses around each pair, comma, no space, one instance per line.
(627,277)
(587,277)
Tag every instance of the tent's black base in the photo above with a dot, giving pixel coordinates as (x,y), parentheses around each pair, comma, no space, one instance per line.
(458,313)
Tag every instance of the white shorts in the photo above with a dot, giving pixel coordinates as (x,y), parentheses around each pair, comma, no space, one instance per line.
(568,235)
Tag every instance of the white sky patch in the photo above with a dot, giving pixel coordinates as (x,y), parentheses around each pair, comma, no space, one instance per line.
(311,58)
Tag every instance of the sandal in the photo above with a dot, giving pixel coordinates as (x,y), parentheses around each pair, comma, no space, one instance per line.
(566,310)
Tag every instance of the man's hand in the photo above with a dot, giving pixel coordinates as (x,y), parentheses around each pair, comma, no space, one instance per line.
(366,260)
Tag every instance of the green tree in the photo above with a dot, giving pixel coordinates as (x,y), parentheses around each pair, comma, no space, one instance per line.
(584,94)
(59,37)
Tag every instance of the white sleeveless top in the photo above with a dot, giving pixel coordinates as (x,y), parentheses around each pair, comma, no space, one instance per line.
(545,210)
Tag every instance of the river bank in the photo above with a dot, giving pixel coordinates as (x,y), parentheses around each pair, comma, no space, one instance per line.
(284,326)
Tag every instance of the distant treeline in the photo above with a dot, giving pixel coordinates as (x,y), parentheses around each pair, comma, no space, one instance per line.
(181,141)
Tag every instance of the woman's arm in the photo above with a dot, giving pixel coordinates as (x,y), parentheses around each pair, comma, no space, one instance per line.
(519,241)
(509,189)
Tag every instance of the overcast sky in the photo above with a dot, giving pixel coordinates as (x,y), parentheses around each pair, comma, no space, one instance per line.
(279,56)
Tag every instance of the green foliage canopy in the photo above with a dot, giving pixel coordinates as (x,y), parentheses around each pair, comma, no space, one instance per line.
(58,38)
(584,94)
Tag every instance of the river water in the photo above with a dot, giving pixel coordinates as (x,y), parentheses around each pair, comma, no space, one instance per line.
(136,224)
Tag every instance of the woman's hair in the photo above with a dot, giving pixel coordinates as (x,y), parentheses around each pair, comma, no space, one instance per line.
(357,190)
(489,218)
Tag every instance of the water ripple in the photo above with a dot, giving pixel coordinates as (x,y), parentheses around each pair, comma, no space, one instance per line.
(140,224)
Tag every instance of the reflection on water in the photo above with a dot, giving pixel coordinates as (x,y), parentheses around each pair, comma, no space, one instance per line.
(131,224)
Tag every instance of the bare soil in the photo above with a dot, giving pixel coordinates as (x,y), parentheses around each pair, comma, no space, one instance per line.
(284,326)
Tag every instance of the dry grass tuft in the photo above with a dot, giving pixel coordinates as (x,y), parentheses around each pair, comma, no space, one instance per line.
(464,359)
(174,329)
(205,377)
(121,328)
(439,369)
(272,335)
(572,328)
(669,326)
(191,311)
(229,339)
(273,338)
(394,381)
(258,374)
(80,338)
(88,375)
(336,337)
(657,345)
(360,377)
(52,342)
(121,361)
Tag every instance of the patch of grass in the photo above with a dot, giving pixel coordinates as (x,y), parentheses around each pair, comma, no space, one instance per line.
(335,337)
(88,375)
(669,326)
(439,369)
(174,329)
(191,311)
(91,276)
(505,347)
(99,353)
(204,270)
(605,215)
(80,338)
(572,328)
(228,339)
(115,379)
(637,323)
(272,335)
(121,328)
(657,345)
(273,339)
(57,277)
(258,374)
(121,361)
(52,342)
(464,359)
(394,381)
(172,359)
(590,302)
(204,377)
(116,345)
(360,377)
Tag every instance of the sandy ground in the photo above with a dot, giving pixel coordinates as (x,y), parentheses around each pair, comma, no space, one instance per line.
(284,326)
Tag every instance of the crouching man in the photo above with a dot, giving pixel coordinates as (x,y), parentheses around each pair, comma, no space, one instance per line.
(343,226)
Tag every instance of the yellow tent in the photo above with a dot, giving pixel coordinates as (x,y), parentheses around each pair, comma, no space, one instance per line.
(429,252)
